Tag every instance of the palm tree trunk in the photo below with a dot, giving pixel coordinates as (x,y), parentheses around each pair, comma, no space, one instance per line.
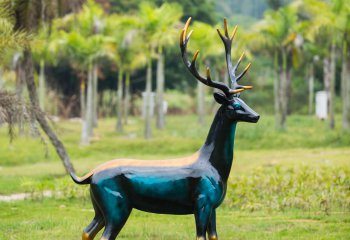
(40,117)
(160,90)
(1,80)
(276,89)
(311,88)
(95,96)
(326,80)
(20,75)
(283,91)
(87,123)
(127,97)
(345,87)
(119,126)
(332,88)
(82,110)
(201,103)
(148,129)
(42,87)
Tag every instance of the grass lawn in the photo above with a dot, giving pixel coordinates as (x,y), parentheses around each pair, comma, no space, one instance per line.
(261,153)
(65,219)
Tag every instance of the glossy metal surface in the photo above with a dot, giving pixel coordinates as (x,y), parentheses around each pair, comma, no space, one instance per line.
(194,185)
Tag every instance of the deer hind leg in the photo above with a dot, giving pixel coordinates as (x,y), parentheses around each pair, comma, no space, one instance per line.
(96,224)
(115,206)
(211,229)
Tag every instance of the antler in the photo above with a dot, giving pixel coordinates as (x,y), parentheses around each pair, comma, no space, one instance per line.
(191,66)
(227,40)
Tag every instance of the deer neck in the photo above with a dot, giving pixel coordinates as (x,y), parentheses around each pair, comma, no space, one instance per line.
(219,144)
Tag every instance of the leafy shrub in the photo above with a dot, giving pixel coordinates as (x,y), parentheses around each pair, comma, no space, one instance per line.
(322,188)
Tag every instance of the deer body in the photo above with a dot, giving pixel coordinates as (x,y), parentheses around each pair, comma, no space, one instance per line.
(194,185)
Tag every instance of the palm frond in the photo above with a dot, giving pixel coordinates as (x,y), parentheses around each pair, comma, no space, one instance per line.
(13,111)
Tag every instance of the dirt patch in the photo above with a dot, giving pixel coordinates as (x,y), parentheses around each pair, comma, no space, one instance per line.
(304,220)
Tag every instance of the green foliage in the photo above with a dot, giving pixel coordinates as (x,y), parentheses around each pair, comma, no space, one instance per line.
(277,188)
(65,219)
(10,38)
(182,136)
(178,102)
(202,10)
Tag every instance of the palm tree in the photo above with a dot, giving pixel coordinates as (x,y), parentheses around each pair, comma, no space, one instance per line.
(84,44)
(166,18)
(121,31)
(44,50)
(277,35)
(330,20)
(157,29)
(133,59)
(28,16)
(11,39)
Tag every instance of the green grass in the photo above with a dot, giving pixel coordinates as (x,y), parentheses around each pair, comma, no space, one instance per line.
(63,219)
(182,136)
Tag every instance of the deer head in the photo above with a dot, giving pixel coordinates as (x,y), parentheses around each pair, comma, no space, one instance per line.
(235,108)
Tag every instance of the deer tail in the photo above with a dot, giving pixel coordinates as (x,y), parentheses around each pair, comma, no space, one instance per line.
(82,180)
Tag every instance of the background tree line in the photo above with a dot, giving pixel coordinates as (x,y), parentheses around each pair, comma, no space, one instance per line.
(94,58)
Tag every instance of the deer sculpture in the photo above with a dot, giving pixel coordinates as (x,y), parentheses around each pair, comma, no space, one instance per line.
(192,185)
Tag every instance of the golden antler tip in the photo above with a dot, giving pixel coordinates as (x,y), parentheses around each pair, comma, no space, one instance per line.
(234,32)
(225,27)
(186,27)
(248,66)
(208,72)
(195,56)
(241,57)
(237,90)
(182,39)
(247,87)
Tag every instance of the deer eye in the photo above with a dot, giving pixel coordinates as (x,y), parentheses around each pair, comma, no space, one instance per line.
(237,106)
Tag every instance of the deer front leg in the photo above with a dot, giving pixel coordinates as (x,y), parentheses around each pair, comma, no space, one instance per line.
(212,234)
(202,213)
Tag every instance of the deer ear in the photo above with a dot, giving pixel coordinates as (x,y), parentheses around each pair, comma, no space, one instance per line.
(221,98)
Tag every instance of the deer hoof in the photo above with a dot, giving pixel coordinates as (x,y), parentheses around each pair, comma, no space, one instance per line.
(86,236)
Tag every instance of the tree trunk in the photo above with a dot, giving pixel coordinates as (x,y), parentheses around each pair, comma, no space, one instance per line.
(1,80)
(87,122)
(332,88)
(160,91)
(283,92)
(148,120)
(61,151)
(42,87)
(311,89)
(20,80)
(83,111)
(347,97)
(276,91)
(127,97)
(201,103)
(345,87)
(327,80)
(119,127)
(95,96)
